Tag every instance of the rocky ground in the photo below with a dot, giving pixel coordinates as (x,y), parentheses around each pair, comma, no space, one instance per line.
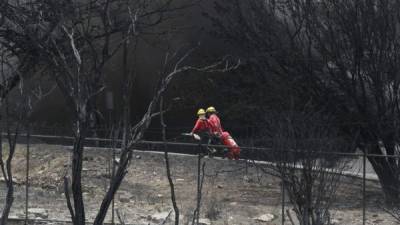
(234,192)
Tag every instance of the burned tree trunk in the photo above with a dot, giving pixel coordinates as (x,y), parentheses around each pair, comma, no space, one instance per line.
(387,171)
(115,184)
(167,164)
(7,168)
(76,184)
(7,174)
(8,203)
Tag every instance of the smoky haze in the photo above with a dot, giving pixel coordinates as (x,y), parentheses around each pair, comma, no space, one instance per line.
(188,28)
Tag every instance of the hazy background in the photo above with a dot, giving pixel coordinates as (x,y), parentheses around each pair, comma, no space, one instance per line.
(186,94)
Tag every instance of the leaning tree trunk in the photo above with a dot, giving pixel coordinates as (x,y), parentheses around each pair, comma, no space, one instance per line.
(8,177)
(126,157)
(9,202)
(386,170)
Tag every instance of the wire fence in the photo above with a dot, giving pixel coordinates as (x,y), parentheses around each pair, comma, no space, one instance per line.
(359,189)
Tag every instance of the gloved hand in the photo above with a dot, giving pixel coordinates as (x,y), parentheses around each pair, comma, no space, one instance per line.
(196,137)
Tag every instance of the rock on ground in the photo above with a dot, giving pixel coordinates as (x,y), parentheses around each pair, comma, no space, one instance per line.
(39,213)
(204,221)
(266,217)
(159,217)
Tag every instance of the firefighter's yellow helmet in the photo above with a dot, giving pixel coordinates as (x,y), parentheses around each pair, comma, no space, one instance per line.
(201,112)
(211,109)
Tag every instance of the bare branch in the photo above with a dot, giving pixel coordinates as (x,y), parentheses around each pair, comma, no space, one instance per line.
(72,42)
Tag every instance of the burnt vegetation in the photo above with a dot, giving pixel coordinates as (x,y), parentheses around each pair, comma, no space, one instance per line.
(314,78)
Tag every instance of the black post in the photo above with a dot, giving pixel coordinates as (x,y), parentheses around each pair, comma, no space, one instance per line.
(27,176)
(200,176)
(283,201)
(363,185)
(198,188)
(110,107)
(112,178)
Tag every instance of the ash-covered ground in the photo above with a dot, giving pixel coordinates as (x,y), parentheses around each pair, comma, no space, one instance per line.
(234,192)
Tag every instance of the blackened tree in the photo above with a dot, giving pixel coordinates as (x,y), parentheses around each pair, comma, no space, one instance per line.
(342,55)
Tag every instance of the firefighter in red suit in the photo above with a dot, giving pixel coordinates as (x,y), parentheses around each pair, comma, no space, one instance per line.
(214,121)
(223,136)
(202,127)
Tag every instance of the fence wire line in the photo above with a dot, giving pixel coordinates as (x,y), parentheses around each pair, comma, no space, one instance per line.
(187,144)
(241,127)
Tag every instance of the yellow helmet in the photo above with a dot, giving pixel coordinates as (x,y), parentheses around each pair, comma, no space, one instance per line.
(211,109)
(201,112)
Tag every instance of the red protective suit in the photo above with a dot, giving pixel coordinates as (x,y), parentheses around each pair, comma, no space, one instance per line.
(234,149)
(215,125)
(201,125)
